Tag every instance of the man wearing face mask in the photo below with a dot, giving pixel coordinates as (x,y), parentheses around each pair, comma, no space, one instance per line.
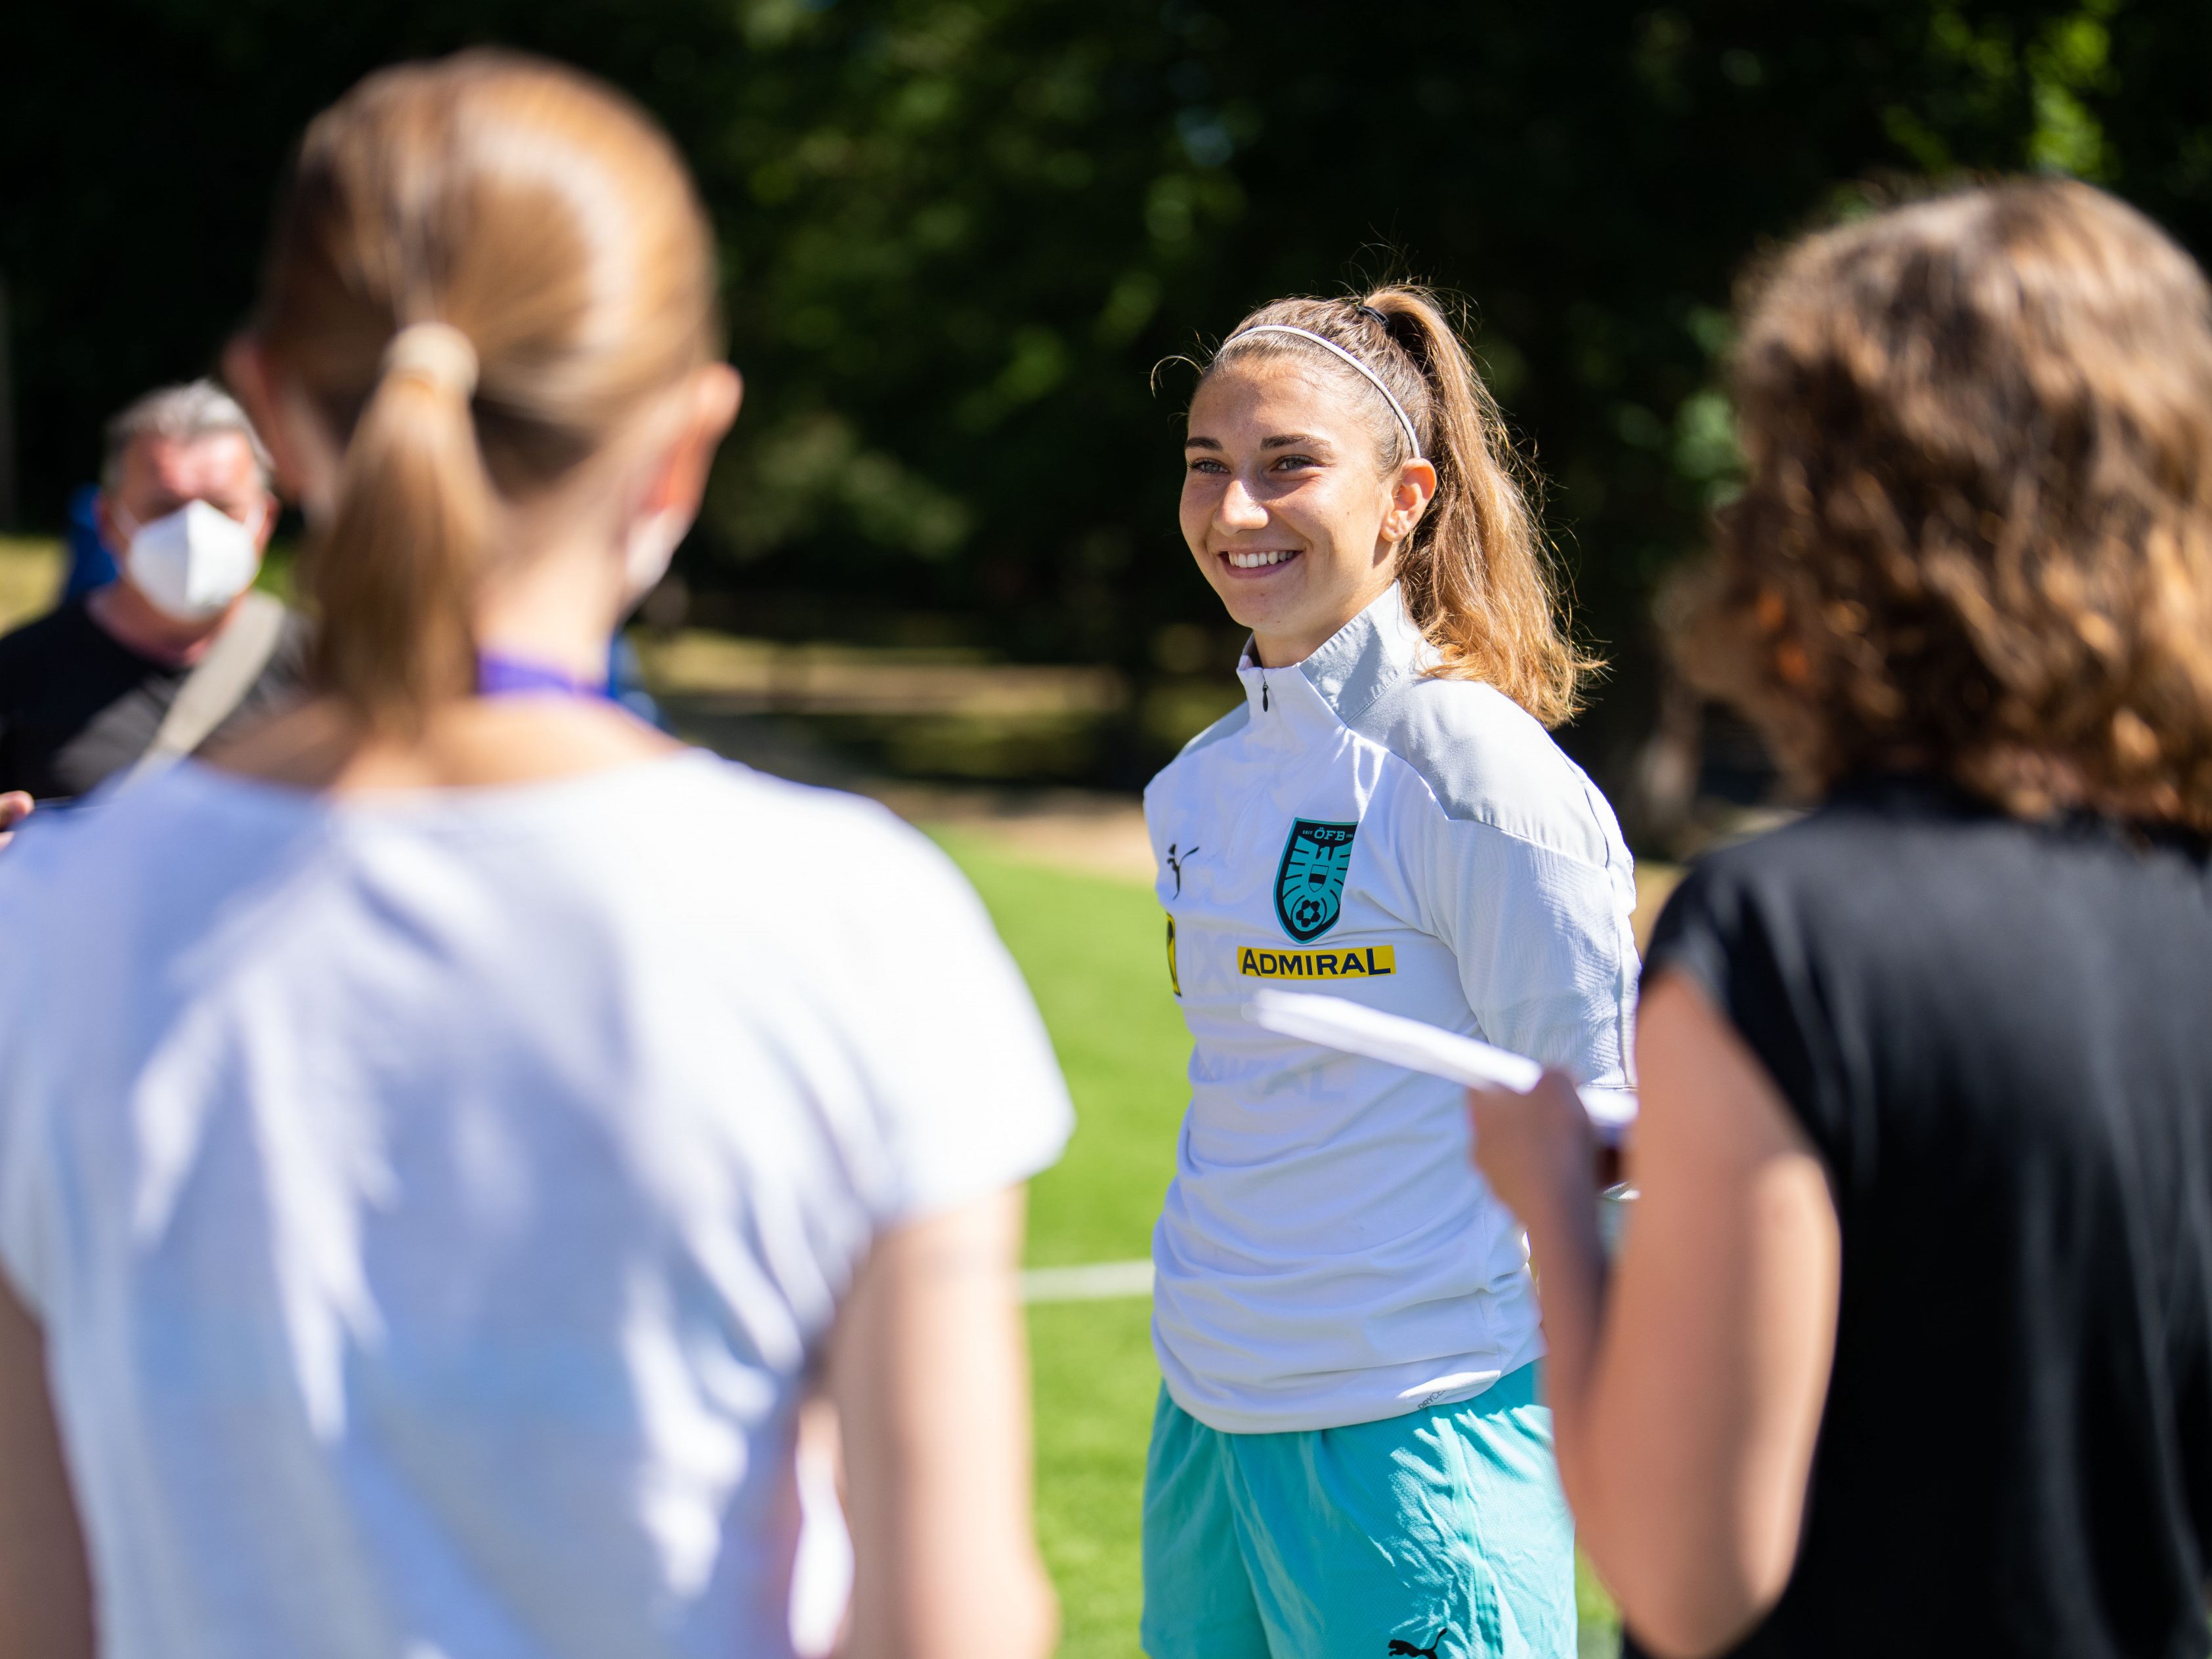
(179,650)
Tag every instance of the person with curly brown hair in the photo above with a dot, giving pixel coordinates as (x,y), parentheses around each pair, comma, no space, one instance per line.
(1909,1349)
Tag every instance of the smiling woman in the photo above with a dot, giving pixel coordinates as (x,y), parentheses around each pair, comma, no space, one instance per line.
(1310,490)
(1351,1455)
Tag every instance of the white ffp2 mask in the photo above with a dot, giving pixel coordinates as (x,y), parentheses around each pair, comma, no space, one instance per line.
(192,563)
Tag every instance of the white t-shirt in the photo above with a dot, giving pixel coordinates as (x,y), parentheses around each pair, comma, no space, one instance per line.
(432,1202)
(1327,1254)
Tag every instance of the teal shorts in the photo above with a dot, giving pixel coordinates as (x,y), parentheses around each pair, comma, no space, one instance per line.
(1443,1533)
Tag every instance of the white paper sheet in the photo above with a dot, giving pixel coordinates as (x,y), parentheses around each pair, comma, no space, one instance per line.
(1354,1028)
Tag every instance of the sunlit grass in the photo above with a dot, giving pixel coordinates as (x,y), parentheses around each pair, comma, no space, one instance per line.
(30,576)
(1095,1384)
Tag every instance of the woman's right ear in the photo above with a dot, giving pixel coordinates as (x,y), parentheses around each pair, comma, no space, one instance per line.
(721,391)
(1409,500)
(714,396)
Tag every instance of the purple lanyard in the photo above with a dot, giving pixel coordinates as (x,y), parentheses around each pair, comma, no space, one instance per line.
(510,677)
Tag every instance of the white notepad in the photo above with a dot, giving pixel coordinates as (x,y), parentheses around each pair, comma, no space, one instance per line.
(1354,1028)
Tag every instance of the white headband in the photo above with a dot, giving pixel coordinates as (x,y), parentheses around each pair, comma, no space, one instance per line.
(1388,396)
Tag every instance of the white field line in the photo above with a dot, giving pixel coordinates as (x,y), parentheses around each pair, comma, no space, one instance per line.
(1098,1281)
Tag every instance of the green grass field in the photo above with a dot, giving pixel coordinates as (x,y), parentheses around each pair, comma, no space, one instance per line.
(1096,958)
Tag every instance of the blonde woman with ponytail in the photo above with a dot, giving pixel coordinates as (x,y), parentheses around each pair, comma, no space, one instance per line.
(1350,1454)
(495,1117)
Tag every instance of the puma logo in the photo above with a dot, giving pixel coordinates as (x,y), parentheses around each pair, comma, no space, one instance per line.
(1409,1651)
(1175,864)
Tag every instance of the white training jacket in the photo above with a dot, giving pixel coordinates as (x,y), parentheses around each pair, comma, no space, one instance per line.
(1327,1254)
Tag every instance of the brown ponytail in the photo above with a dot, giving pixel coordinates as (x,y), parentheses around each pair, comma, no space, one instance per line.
(1475,572)
(394,574)
(546,222)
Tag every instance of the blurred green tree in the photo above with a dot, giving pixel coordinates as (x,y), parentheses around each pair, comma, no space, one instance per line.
(960,233)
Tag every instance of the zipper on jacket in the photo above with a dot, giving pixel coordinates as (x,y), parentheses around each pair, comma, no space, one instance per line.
(1263,694)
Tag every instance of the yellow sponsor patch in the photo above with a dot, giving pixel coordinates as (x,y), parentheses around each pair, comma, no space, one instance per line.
(1369,962)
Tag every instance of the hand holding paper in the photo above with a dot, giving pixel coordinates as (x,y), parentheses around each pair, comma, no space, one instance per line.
(1354,1028)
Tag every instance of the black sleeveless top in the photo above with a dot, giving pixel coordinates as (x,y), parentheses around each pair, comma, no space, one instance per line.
(1998,1035)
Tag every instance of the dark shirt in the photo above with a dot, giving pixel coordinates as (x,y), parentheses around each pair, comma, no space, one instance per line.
(76,706)
(1998,1037)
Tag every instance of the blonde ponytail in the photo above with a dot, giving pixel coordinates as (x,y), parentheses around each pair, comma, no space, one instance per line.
(394,574)
(1476,574)
(483,268)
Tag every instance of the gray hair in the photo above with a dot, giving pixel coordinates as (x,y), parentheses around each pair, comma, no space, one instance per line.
(199,408)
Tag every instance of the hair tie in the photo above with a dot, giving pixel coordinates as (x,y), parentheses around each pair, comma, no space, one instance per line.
(439,352)
(1373,315)
(1388,396)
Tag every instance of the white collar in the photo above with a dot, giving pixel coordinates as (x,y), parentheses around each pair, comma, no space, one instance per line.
(1351,668)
